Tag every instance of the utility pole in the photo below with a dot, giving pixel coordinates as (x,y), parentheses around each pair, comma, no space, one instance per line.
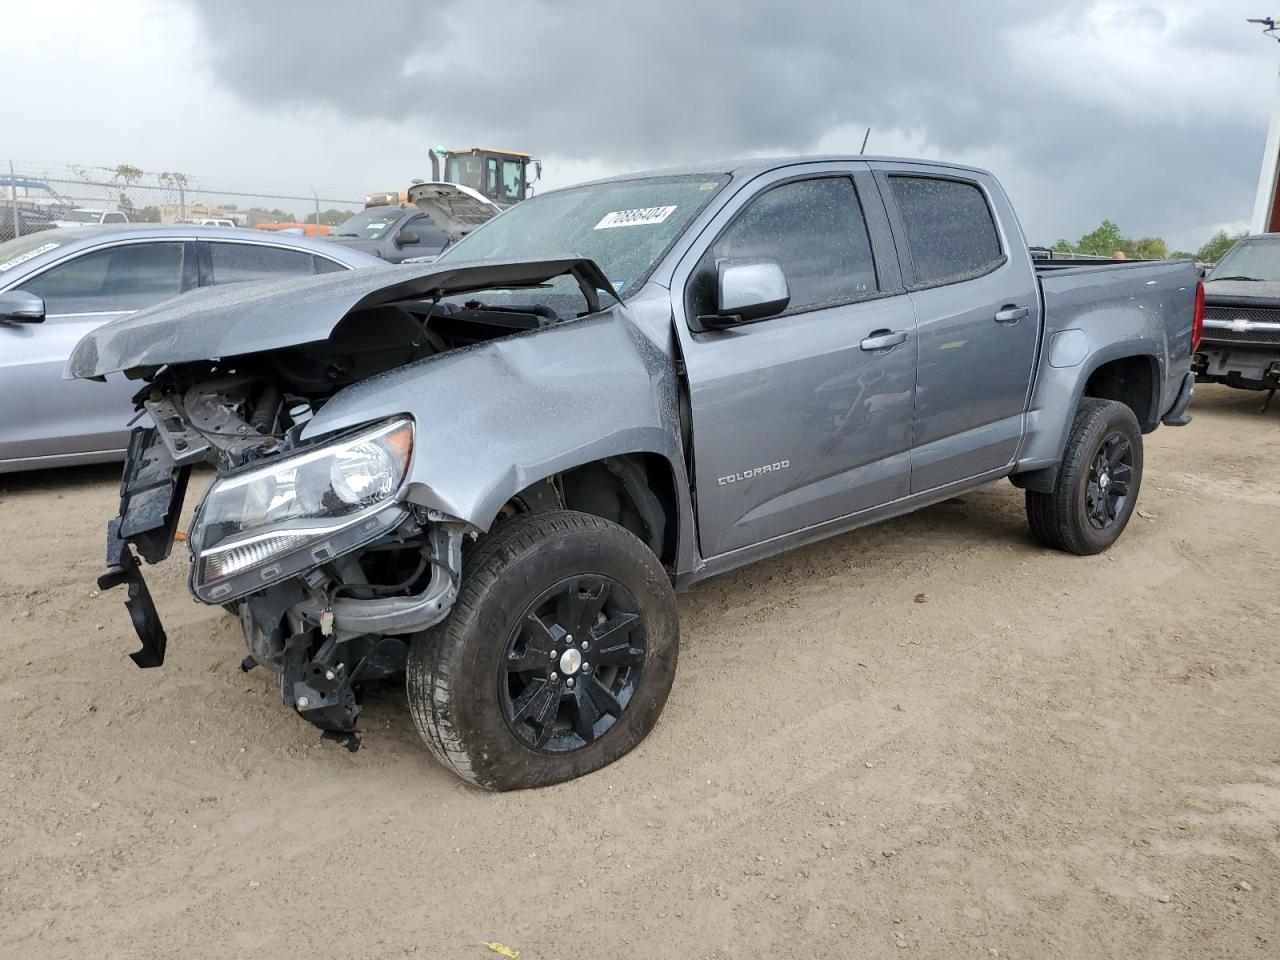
(1264,204)
(13,199)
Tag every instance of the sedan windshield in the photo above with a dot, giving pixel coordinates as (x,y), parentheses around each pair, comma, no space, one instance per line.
(372,224)
(1249,261)
(625,226)
(26,247)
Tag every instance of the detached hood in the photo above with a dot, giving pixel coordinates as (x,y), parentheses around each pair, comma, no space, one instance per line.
(457,210)
(231,321)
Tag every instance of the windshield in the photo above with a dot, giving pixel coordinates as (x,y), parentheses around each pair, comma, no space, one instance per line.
(625,226)
(25,248)
(372,224)
(467,170)
(1249,261)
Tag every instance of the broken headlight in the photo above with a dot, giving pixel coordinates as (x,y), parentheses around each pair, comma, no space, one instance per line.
(326,499)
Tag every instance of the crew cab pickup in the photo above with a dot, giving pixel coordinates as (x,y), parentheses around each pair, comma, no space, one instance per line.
(1241,345)
(490,473)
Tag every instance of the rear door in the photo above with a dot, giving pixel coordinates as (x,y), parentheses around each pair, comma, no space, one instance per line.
(46,415)
(795,421)
(978,319)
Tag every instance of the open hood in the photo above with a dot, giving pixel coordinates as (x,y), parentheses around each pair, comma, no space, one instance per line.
(455,209)
(239,319)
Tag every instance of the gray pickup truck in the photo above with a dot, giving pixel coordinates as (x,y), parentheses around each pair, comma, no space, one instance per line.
(492,472)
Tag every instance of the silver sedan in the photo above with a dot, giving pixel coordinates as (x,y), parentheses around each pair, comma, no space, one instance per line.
(57,285)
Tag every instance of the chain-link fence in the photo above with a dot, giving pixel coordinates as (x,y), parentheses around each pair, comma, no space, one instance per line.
(43,196)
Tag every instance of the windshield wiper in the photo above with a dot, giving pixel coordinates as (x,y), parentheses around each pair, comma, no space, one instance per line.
(1254,279)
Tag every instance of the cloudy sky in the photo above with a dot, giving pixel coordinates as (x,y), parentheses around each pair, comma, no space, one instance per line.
(1151,114)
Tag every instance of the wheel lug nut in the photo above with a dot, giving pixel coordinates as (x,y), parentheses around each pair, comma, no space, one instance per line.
(329,674)
(586,667)
(303,703)
(553,654)
(568,638)
(586,644)
(554,675)
(569,681)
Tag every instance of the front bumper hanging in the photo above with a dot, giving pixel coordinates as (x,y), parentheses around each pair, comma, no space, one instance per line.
(151,495)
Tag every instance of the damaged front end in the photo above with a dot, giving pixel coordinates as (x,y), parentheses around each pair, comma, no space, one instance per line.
(319,531)
(312,545)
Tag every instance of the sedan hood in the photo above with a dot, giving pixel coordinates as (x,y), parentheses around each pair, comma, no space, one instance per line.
(231,321)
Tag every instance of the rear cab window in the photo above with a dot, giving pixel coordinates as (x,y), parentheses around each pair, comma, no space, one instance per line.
(949,229)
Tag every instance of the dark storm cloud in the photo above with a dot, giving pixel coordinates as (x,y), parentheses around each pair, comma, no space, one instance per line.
(636,84)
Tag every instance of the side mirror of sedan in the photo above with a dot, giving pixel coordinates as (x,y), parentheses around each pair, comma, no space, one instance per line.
(407,238)
(747,291)
(18,306)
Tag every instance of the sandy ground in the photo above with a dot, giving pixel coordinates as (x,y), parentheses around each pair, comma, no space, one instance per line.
(1041,756)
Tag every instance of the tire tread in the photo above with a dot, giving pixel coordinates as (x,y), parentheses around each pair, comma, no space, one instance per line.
(435,659)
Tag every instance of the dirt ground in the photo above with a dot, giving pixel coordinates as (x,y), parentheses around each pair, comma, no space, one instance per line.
(928,738)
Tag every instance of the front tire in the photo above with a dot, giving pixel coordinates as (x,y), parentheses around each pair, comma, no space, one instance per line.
(556,659)
(1098,482)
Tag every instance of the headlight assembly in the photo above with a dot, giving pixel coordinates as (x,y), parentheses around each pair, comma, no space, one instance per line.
(272,521)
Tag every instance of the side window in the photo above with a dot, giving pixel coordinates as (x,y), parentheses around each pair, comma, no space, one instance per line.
(814,230)
(325,265)
(512,180)
(429,235)
(127,277)
(491,177)
(949,227)
(238,262)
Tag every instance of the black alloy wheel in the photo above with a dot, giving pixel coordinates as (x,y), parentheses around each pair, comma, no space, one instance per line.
(572,663)
(1110,473)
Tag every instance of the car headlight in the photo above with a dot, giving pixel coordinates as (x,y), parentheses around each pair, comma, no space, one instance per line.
(293,513)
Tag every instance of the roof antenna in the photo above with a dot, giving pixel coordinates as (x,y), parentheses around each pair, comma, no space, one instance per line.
(865,138)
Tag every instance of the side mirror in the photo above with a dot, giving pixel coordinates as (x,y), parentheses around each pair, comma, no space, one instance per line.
(18,306)
(746,292)
(407,238)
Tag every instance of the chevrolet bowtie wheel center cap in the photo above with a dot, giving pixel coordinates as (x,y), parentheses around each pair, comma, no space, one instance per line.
(570,661)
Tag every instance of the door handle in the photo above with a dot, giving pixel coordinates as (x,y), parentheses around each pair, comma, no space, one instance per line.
(884,339)
(1011,314)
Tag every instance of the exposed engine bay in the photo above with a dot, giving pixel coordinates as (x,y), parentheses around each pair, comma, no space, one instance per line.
(307,542)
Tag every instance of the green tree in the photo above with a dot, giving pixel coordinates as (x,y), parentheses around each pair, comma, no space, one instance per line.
(1148,248)
(332,217)
(1062,247)
(1217,246)
(1104,241)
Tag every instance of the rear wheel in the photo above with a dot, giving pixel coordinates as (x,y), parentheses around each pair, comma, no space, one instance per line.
(1097,486)
(557,656)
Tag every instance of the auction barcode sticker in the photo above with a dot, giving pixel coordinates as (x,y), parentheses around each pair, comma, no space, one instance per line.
(23,258)
(634,218)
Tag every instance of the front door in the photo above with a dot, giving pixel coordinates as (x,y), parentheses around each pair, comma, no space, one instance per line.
(806,416)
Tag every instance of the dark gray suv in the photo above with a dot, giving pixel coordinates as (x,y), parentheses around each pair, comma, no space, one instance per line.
(394,234)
